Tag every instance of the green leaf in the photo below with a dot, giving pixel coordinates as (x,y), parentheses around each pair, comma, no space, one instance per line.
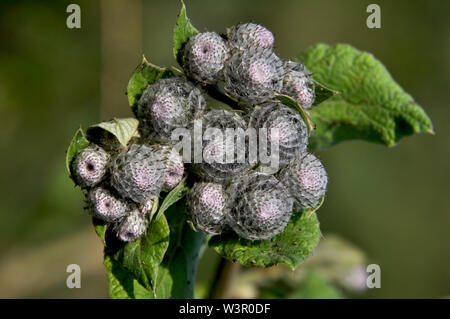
(100,227)
(122,129)
(315,286)
(290,102)
(291,247)
(322,93)
(143,256)
(122,285)
(174,196)
(145,74)
(176,276)
(182,32)
(371,106)
(79,142)
(154,208)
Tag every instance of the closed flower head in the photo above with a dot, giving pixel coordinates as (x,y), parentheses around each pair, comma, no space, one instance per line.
(253,76)
(89,166)
(105,206)
(173,165)
(306,179)
(206,207)
(224,154)
(166,105)
(250,34)
(132,226)
(284,126)
(298,84)
(204,57)
(259,206)
(138,173)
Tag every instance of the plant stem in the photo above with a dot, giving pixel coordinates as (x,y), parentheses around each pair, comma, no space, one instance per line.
(223,280)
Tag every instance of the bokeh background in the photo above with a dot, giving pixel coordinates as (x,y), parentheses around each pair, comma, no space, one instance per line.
(390,206)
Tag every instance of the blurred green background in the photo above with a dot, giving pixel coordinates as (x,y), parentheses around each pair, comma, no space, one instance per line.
(390,203)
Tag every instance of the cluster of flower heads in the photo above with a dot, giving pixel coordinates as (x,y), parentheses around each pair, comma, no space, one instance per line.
(255,204)
(122,184)
(245,62)
(238,195)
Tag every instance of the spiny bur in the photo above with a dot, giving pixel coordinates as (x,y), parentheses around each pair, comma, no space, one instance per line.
(138,173)
(218,126)
(132,226)
(298,84)
(105,206)
(205,206)
(89,166)
(252,76)
(204,57)
(166,105)
(306,179)
(282,125)
(259,206)
(245,35)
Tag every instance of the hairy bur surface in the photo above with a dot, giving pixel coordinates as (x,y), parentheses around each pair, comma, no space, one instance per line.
(291,131)
(259,206)
(133,226)
(298,84)
(166,105)
(105,206)
(204,57)
(174,166)
(250,34)
(138,173)
(253,75)
(215,166)
(89,166)
(206,207)
(306,179)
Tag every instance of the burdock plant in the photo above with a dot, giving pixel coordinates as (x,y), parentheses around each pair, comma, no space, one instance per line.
(135,180)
